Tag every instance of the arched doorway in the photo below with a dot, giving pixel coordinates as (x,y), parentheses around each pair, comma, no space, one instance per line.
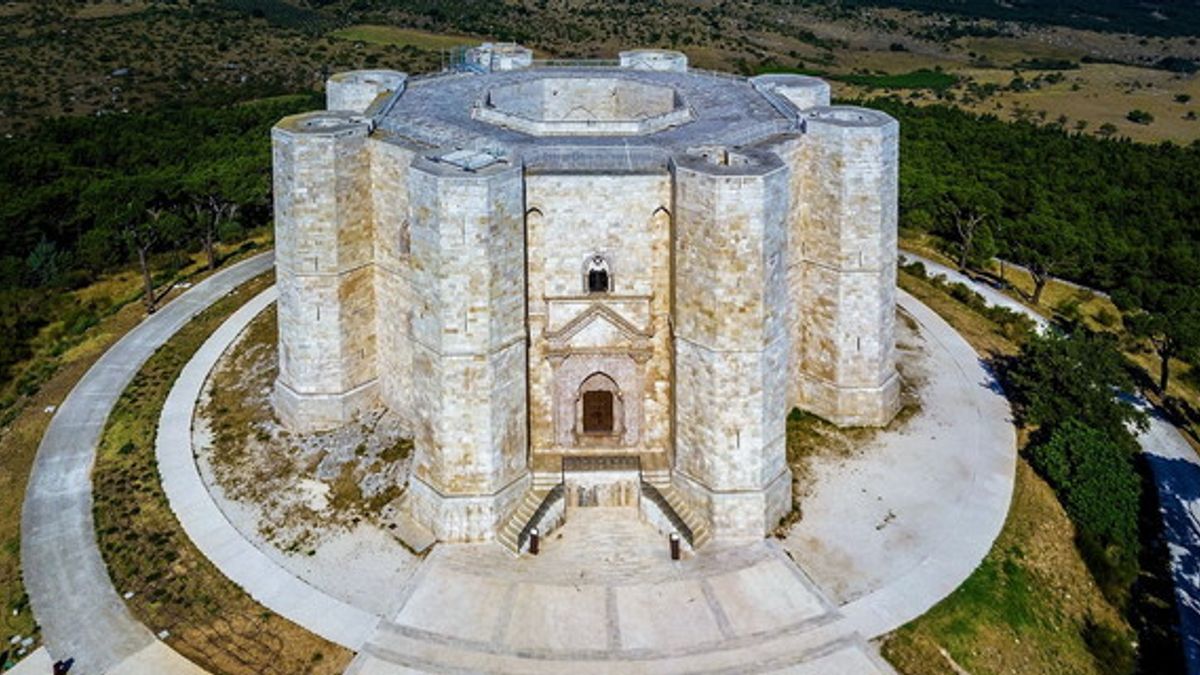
(599,410)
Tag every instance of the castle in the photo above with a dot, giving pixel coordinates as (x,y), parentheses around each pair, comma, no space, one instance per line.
(633,267)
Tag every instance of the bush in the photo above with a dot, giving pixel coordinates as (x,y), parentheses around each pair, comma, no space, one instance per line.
(1094,476)
(1139,117)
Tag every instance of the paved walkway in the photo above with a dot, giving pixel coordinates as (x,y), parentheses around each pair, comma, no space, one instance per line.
(992,295)
(265,580)
(1176,469)
(604,597)
(69,588)
(928,498)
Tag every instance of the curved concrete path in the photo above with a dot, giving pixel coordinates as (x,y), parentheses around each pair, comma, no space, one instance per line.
(928,498)
(991,295)
(69,588)
(457,610)
(1176,470)
(265,580)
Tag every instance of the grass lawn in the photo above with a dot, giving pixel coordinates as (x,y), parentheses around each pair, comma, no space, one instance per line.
(174,587)
(1030,607)
(403,37)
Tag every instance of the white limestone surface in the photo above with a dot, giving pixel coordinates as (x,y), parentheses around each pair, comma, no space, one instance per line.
(892,530)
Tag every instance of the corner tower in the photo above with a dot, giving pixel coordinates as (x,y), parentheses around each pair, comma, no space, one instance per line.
(731,339)
(468,344)
(324,257)
(843,285)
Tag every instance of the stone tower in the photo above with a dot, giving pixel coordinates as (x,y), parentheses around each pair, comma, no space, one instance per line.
(637,268)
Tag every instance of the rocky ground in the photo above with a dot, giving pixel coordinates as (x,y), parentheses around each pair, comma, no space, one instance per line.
(316,503)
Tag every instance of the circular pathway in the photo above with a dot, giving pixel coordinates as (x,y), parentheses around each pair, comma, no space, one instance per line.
(604,593)
(602,597)
(80,613)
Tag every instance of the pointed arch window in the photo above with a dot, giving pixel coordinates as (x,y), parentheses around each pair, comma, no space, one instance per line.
(597,277)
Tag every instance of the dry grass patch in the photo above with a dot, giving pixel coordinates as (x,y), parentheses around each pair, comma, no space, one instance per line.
(983,335)
(208,618)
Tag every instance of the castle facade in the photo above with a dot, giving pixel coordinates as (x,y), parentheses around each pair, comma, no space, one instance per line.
(633,264)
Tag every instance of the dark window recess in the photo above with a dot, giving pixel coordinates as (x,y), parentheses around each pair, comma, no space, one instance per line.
(597,281)
(597,412)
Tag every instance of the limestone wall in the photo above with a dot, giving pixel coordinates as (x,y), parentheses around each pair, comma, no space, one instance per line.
(324,266)
(801,91)
(393,277)
(731,338)
(355,90)
(624,333)
(468,341)
(654,59)
(844,285)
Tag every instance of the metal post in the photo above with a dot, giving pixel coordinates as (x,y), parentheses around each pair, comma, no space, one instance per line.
(674,539)
(534,540)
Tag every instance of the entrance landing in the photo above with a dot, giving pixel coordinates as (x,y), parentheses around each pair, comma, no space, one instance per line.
(604,596)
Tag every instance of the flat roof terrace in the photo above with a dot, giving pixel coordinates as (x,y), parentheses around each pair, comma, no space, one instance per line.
(598,115)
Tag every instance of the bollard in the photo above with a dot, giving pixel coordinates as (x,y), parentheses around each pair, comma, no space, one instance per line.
(533,541)
(674,538)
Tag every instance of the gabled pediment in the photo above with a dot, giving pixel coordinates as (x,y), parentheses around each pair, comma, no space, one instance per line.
(597,326)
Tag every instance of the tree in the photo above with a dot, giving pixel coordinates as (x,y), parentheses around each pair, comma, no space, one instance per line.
(970,206)
(1047,245)
(138,210)
(1059,378)
(1168,315)
(216,191)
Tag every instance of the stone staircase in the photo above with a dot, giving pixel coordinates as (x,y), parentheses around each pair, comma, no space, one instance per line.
(546,489)
(657,487)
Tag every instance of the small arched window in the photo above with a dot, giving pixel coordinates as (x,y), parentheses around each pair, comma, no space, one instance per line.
(597,278)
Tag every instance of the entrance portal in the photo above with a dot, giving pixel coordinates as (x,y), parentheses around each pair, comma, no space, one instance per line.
(597,412)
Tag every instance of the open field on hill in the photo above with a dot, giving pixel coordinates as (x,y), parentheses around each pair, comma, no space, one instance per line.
(72,57)
(403,37)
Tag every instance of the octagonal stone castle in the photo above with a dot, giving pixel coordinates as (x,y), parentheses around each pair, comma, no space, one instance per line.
(603,279)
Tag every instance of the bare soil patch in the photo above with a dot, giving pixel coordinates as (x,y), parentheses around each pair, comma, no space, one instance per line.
(303,487)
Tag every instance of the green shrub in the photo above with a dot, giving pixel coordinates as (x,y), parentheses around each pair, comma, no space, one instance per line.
(1060,378)
(1139,117)
(1094,476)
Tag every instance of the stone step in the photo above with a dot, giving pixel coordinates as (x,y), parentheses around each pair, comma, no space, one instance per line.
(817,650)
(659,478)
(400,523)
(509,533)
(700,531)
